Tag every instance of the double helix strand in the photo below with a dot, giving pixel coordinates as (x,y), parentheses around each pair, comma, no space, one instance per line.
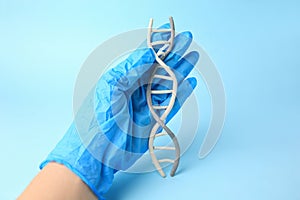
(164,109)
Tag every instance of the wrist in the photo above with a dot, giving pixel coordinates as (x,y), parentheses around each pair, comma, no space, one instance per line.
(56,181)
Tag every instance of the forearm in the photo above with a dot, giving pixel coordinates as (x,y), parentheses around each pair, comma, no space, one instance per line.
(57,182)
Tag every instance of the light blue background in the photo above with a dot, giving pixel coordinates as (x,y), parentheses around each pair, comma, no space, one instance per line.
(255,45)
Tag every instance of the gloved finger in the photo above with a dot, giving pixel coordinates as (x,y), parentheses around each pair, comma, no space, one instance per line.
(181,43)
(185,89)
(185,65)
(181,69)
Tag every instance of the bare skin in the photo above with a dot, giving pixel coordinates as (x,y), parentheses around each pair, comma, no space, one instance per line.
(57,182)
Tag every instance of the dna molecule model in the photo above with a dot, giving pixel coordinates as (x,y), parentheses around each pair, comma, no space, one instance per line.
(160,112)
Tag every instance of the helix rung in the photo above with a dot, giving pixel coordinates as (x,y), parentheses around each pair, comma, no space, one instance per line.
(161,134)
(160,107)
(161,30)
(160,42)
(161,91)
(163,148)
(163,77)
(159,66)
(166,160)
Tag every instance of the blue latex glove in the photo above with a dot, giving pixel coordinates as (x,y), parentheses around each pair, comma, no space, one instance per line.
(111,130)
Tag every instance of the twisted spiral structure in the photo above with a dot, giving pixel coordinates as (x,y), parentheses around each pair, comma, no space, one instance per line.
(160,129)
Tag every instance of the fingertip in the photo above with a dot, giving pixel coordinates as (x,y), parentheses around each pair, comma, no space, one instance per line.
(187,34)
(195,55)
(192,82)
(181,43)
(184,67)
(192,57)
(183,39)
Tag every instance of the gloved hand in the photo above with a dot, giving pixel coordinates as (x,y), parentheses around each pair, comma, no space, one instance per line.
(111,130)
